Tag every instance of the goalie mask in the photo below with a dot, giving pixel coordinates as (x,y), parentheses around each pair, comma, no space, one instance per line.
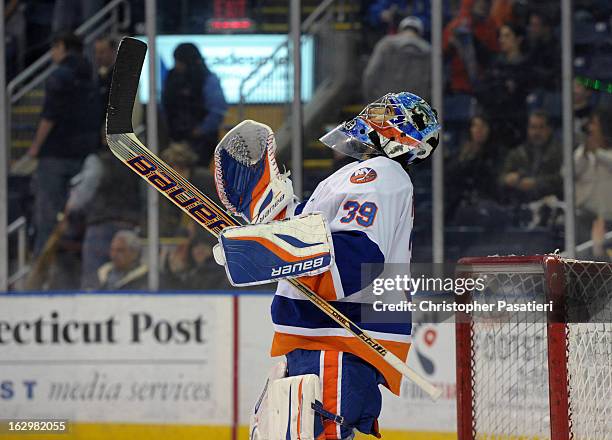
(401,126)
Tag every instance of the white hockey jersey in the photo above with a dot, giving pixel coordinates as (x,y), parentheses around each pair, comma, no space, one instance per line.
(369,206)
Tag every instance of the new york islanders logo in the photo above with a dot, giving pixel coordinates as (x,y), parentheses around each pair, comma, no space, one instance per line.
(363,175)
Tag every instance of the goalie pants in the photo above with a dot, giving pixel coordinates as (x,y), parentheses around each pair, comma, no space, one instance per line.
(349,388)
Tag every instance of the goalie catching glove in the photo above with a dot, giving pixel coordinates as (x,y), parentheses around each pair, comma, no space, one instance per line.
(264,253)
(247,177)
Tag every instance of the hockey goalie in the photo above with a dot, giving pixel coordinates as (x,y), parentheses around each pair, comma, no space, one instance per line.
(328,385)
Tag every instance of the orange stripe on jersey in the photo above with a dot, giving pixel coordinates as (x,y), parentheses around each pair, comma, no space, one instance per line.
(261,185)
(322,285)
(283,343)
(277,250)
(330,391)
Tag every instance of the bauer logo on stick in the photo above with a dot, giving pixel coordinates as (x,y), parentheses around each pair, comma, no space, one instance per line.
(202,213)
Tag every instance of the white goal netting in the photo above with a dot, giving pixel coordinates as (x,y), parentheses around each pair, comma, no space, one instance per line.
(510,358)
(589,349)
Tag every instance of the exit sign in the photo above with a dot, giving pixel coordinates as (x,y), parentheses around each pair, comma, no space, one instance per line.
(230,16)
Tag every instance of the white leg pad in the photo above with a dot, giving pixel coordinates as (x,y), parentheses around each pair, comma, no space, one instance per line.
(259,423)
(289,409)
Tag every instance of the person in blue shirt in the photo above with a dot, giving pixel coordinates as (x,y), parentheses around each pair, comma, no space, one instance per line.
(67,132)
(193,102)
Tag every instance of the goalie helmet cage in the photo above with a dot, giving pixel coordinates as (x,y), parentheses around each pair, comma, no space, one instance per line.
(542,378)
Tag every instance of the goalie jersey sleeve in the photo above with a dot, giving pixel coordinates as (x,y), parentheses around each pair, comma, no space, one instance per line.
(369,206)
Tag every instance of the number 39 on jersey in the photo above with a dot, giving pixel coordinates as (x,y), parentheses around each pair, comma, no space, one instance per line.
(364,214)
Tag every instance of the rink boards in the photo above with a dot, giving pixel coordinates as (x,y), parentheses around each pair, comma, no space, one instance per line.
(163,366)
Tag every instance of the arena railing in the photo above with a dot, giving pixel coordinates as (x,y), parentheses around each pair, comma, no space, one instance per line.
(21,91)
(272,78)
(19,227)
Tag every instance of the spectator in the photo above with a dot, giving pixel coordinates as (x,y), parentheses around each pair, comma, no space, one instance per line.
(124,271)
(385,15)
(532,170)
(543,52)
(583,108)
(191,265)
(502,11)
(182,159)
(503,91)
(193,102)
(105,51)
(593,171)
(473,174)
(107,194)
(469,41)
(66,133)
(69,14)
(400,62)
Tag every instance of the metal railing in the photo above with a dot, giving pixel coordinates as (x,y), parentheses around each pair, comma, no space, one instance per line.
(109,20)
(19,226)
(266,76)
(106,20)
(585,250)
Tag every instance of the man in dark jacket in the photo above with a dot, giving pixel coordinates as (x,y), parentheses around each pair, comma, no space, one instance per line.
(193,102)
(105,209)
(105,49)
(66,133)
(532,170)
(543,52)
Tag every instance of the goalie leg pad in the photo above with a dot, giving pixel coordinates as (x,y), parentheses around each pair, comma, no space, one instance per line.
(259,428)
(291,413)
(263,253)
(350,390)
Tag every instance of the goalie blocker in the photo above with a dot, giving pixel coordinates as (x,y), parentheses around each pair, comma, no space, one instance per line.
(263,253)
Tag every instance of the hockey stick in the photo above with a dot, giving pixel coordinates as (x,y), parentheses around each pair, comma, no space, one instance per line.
(40,272)
(125,145)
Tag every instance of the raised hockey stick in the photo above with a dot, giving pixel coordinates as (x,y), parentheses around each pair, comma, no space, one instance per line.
(125,145)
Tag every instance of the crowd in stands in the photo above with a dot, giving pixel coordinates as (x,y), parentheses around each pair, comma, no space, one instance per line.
(92,201)
(502,107)
(503,157)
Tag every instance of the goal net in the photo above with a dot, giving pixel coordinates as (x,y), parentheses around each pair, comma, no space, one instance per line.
(543,374)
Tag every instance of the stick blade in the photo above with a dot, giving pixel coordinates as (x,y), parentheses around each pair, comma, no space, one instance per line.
(124,85)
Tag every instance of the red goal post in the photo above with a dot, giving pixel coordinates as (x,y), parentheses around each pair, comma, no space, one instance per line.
(543,378)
